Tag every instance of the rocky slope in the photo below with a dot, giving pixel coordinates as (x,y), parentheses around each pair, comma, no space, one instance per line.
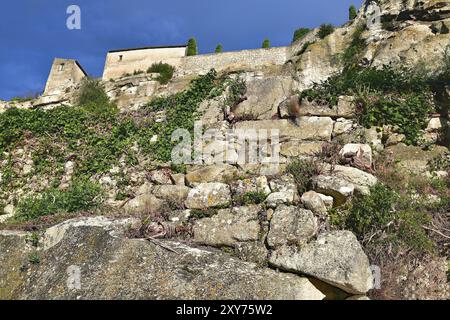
(351,194)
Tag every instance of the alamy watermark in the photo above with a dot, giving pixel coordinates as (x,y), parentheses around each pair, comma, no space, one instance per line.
(373,16)
(73,277)
(73,22)
(233,146)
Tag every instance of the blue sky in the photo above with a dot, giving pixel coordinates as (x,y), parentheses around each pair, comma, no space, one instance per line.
(33,32)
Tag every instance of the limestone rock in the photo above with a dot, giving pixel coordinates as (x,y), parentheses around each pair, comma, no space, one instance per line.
(172,193)
(144,203)
(284,183)
(342,126)
(263,97)
(229,227)
(355,153)
(208,195)
(255,184)
(212,110)
(361,180)
(374,137)
(160,177)
(327,200)
(336,258)
(211,173)
(253,251)
(300,148)
(178,179)
(395,138)
(335,187)
(307,128)
(436,124)
(313,201)
(291,225)
(276,198)
(113,267)
(284,191)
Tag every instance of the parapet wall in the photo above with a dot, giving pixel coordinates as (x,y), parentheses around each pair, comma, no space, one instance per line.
(120,63)
(234,60)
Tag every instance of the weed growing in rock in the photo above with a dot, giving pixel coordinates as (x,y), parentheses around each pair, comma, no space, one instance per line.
(252,197)
(325,30)
(402,98)
(206,213)
(352,13)
(300,33)
(165,71)
(180,113)
(395,218)
(80,196)
(303,170)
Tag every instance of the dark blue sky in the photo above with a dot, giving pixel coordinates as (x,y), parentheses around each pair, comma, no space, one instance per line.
(33,32)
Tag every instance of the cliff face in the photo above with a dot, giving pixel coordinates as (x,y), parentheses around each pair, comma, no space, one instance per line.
(397,33)
(354,183)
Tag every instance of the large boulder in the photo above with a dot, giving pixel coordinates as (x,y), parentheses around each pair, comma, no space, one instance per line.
(360,179)
(208,195)
(335,258)
(263,97)
(291,225)
(229,227)
(93,261)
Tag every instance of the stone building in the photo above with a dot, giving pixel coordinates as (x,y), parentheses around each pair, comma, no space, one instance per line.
(65,73)
(127,61)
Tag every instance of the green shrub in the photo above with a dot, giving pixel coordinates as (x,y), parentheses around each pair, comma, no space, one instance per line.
(303,170)
(300,33)
(353,52)
(93,98)
(266,44)
(34,258)
(401,98)
(352,13)
(206,213)
(80,196)
(219,49)
(252,197)
(181,113)
(325,30)
(408,114)
(165,71)
(25,98)
(387,216)
(192,49)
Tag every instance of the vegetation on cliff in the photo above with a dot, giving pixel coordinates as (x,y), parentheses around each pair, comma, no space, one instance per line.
(400,97)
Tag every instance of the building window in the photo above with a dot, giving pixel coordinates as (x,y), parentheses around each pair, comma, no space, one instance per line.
(61,67)
(120,58)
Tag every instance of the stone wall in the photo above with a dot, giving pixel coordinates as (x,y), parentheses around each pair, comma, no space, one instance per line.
(245,59)
(122,62)
(64,74)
